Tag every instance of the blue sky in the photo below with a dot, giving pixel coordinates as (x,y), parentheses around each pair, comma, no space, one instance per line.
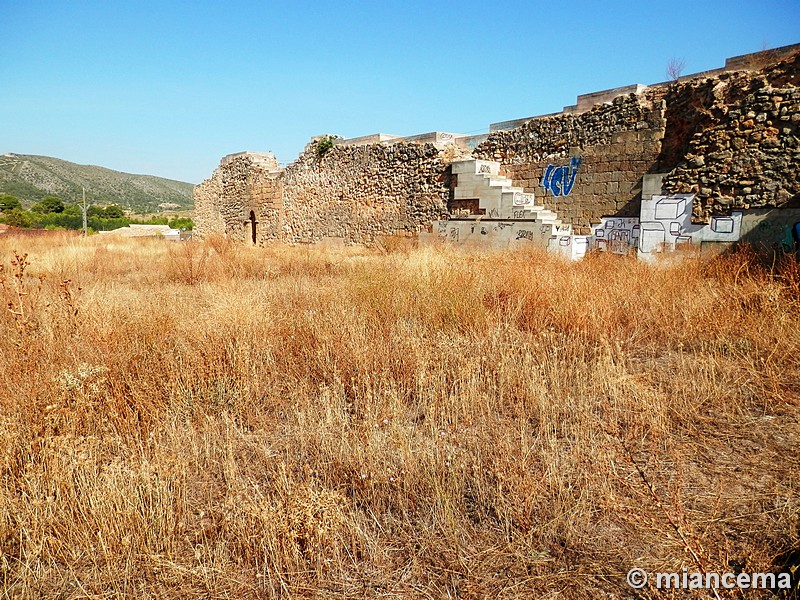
(168,88)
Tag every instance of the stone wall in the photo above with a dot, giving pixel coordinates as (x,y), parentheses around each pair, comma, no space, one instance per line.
(354,193)
(738,140)
(208,206)
(243,183)
(731,139)
(728,137)
(616,144)
(357,193)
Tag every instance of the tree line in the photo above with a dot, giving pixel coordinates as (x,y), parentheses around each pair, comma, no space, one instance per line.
(52,213)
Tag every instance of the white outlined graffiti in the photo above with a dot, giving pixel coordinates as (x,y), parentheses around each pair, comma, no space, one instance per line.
(619,235)
(666,223)
(523,199)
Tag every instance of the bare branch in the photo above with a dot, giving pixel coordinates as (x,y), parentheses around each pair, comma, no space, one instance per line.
(675,67)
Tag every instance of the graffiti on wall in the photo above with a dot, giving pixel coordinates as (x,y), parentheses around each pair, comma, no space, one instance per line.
(774,233)
(572,247)
(562,229)
(523,199)
(559,180)
(557,238)
(664,224)
(618,235)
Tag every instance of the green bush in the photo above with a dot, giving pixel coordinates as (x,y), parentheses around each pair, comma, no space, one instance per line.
(43,216)
(181,222)
(9,202)
(113,212)
(17,218)
(95,211)
(103,224)
(48,204)
(60,220)
(324,144)
(73,209)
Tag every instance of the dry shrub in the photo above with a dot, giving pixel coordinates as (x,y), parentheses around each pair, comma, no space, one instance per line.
(208,420)
(294,527)
(187,262)
(396,243)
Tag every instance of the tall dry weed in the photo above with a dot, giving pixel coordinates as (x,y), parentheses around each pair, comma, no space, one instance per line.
(217,420)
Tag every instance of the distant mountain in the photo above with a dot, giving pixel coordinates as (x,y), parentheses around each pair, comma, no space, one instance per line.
(30,178)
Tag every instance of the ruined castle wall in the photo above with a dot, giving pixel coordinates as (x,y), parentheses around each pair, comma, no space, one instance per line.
(357,193)
(243,183)
(730,138)
(737,140)
(353,193)
(615,144)
(208,206)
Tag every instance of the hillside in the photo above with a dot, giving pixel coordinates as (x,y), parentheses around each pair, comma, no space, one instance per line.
(30,178)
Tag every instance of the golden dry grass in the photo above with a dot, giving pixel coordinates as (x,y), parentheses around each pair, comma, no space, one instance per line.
(210,420)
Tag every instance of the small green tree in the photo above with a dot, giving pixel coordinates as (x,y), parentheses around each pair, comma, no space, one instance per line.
(113,212)
(49,204)
(61,220)
(9,202)
(72,210)
(17,218)
(182,222)
(95,211)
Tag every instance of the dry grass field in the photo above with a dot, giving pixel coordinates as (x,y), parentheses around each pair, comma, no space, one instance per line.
(203,420)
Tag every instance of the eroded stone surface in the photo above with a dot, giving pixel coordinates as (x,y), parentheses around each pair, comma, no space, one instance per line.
(355,193)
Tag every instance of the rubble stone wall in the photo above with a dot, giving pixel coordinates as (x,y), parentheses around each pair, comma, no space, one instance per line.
(616,144)
(243,183)
(739,145)
(729,137)
(355,193)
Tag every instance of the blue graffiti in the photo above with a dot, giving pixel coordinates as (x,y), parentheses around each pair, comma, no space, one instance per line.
(559,180)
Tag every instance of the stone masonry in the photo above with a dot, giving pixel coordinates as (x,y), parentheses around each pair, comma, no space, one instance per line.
(357,193)
(352,193)
(743,149)
(616,142)
(728,139)
(243,183)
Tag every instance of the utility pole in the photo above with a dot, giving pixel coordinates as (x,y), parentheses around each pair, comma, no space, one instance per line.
(85,228)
